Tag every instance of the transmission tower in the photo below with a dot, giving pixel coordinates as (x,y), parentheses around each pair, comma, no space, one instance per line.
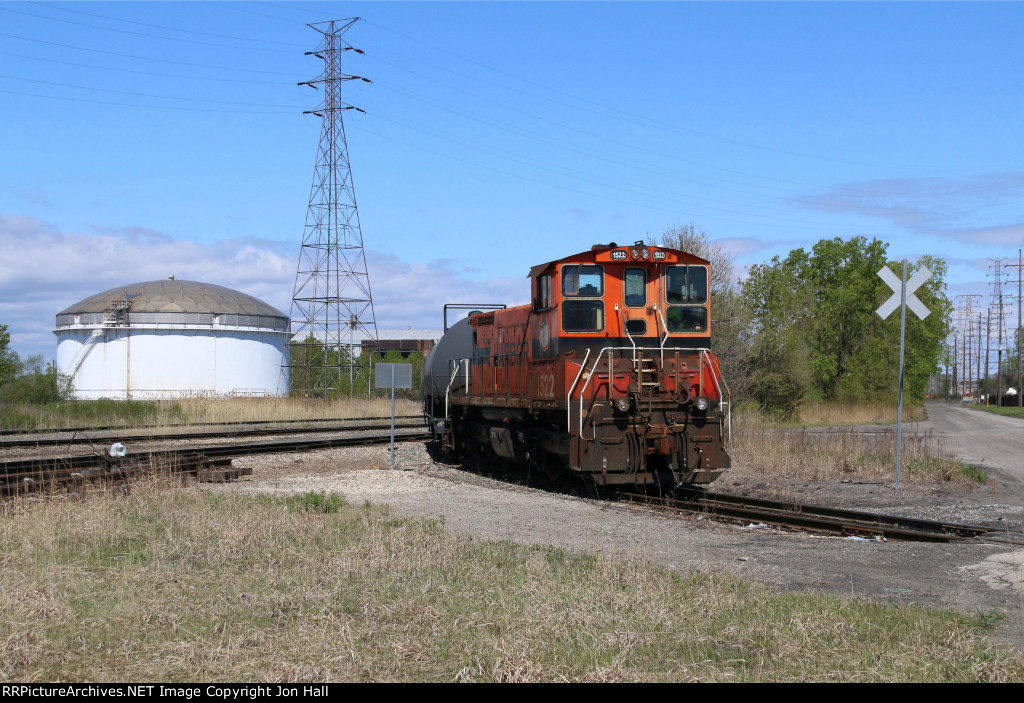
(331,304)
(967,345)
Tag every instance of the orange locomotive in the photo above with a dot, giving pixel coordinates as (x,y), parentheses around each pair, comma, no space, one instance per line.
(606,374)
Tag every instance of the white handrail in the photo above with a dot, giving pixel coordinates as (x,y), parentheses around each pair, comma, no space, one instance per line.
(454,373)
(721,396)
(568,398)
(626,330)
(661,340)
(593,370)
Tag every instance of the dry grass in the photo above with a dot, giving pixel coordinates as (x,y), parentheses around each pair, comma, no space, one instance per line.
(257,409)
(835,415)
(176,584)
(830,414)
(196,411)
(847,454)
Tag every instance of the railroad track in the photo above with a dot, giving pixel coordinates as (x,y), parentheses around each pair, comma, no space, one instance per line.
(79,437)
(825,520)
(101,428)
(207,463)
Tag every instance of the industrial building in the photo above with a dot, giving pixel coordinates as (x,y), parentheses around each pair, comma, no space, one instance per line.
(173,339)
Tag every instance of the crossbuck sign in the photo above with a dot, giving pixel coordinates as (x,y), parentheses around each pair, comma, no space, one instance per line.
(903,296)
(913,302)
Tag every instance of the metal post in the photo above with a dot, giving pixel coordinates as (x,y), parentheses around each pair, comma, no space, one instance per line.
(392,417)
(899,406)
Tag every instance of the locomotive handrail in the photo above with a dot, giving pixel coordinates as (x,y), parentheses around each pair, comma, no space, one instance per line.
(568,398)
(626,330)
(661,339)
(593,370)
(704,353)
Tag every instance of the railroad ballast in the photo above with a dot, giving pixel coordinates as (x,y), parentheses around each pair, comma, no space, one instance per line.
(607,373)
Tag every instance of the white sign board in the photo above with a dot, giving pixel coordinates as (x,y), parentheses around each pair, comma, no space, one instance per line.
(913,302)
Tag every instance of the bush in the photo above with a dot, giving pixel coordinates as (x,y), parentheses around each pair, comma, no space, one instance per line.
(37,388)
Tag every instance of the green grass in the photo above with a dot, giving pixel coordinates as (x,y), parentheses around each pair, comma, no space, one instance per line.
(177,584)
(1007,411)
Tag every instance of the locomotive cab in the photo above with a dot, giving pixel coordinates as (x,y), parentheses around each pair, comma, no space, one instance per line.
(607,373)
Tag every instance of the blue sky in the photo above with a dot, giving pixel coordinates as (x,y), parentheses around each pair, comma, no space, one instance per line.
(144,139)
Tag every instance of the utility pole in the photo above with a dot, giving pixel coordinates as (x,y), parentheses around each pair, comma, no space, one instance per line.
(1017,335)
(997,298)
(331,298)
(956,378)
(981,337)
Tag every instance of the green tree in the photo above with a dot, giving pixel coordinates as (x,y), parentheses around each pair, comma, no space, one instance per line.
(781,306)
(10,364)
(37,383)
(844,282)
(815,322)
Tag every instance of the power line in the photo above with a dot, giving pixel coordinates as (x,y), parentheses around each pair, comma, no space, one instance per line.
(172,29)
(147,107)
(137,34)
(145,58)
(145,95)
(78,64)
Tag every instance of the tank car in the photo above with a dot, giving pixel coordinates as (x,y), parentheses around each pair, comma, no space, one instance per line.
(606,374)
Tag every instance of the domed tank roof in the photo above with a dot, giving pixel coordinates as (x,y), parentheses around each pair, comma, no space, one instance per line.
(175,296)
(174,302)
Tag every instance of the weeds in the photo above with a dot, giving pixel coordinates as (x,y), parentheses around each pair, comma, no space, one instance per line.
(311,502)
(132,413)
(175,584)
(847,454)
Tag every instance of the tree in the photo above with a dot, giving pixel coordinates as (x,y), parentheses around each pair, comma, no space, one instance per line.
(10,364)
(818,308)
(37,383)
(781,305)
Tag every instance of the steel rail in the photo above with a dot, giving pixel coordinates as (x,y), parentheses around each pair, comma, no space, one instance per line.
(102,428)
(43,471)
(115,437)
(825,520)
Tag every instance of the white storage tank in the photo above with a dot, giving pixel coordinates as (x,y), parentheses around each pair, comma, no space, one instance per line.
(172,339)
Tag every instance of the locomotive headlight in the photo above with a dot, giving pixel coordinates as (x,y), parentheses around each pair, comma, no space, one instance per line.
(622,405)
(701,403)
(634,253)
(646,254)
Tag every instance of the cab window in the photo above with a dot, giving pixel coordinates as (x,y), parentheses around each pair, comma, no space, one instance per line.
(582,315)
(634,286)
(543,301)
(583,280)
(684,319)
(686,293)
(686,284)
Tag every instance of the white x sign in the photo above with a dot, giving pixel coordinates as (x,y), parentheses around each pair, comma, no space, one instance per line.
(913,302)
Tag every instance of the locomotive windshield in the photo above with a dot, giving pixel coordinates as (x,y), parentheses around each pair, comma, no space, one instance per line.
(686,292)
(583,280)
(686,284)
(635,288)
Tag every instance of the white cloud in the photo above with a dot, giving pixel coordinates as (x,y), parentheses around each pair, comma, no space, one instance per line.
(979,209)
(44,269)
